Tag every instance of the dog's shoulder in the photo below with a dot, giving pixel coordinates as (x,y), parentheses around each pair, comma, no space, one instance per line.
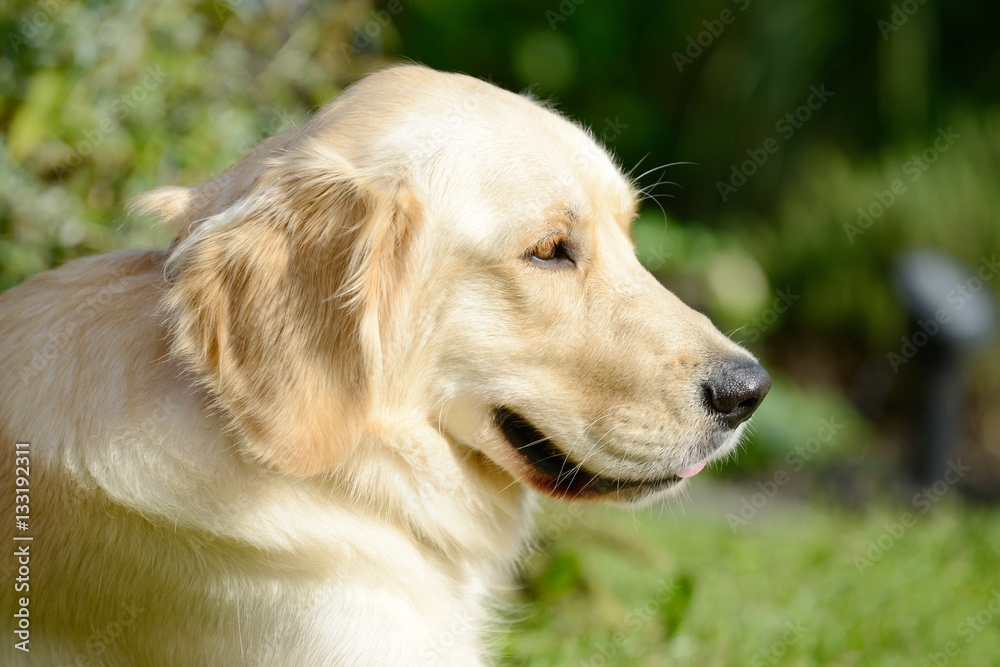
(78,341)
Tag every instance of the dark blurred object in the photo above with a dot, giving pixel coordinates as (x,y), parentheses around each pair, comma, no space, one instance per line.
(950,314)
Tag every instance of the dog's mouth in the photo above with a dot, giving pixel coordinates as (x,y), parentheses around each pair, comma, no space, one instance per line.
(557,474)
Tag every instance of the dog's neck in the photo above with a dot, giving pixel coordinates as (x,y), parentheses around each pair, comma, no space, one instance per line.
(451,500)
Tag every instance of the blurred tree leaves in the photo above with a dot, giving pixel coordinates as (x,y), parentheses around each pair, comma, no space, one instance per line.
(101,101)
(614,63)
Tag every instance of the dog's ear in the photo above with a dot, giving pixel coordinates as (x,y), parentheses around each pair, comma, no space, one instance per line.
(281,272)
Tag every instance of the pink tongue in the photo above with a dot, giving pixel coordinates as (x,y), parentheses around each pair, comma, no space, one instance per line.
(692,471)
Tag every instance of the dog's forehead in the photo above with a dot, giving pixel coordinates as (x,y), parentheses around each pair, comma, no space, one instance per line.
(511,153)
(470,144)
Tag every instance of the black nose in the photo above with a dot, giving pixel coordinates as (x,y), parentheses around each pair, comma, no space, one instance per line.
(735,389)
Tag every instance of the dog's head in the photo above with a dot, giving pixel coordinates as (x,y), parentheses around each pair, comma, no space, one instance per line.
(430,247)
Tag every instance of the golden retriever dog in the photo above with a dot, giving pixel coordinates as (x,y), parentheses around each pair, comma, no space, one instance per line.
(309,432)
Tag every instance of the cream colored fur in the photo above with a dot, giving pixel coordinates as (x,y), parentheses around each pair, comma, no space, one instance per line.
(275,443)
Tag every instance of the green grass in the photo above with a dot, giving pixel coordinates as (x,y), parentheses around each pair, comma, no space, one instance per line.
(792,587)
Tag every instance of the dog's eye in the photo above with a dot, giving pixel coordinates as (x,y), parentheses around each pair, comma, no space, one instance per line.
(553,250)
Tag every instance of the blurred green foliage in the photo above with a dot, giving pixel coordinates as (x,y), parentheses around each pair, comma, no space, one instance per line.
(100,101)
